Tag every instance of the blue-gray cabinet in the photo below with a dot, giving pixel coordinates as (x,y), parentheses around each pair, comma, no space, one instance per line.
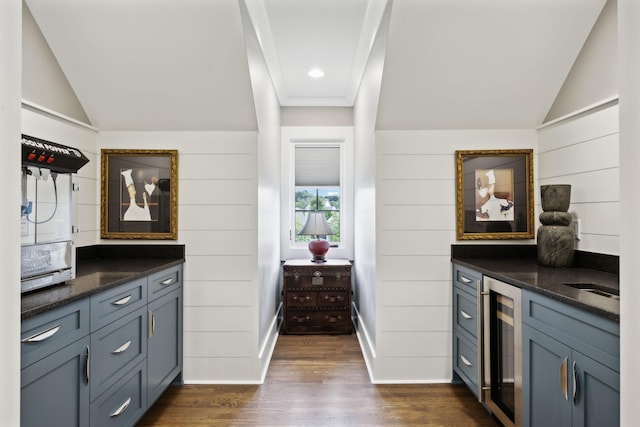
(54,390)
(164,359)
(467,354)
(103,360)
(55,367)
(571,365)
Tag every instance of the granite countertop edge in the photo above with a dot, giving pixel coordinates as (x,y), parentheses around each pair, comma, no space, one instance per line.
(92,277)
(551,282)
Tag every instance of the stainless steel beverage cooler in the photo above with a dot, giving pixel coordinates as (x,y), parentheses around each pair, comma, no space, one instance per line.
(46,212)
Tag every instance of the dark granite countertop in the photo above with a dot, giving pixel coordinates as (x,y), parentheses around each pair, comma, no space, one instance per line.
(525,272)
(101,268)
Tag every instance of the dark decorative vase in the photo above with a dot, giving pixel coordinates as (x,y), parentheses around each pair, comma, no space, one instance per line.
(556,239)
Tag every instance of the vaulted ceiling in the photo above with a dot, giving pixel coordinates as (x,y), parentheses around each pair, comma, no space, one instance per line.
(182,65)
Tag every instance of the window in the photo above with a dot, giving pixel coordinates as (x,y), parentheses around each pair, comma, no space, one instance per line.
(315,177)
(317,188)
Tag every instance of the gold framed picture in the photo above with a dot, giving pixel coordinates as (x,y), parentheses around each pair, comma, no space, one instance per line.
(139,194)
(494,194)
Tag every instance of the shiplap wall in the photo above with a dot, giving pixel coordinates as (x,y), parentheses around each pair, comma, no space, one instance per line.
(584,152)
(45,126)
(218,223)
(415,227)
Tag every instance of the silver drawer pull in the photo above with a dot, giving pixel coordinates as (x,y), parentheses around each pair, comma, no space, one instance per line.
(466,315)
(121,409)
(152,324)
(41,336)
(465,361)
(575,384)
(122,348)
(122,301)
(167,281)
(465,280)
(87,366)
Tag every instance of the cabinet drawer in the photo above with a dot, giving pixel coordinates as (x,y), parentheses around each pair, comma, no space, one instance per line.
(114,303)
(334,321)
(164,281)
(124,403)
(333,299)
(302,299)
(465,361)
(465,312)
(49,332)
(309,277)
(115,348)
(466,279)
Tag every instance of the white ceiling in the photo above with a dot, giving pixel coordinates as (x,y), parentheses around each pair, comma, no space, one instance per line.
(299,35)
(182,64)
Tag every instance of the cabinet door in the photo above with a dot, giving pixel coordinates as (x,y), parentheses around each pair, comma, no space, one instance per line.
(54,390)
(597,393)
(546,391)
(164,352)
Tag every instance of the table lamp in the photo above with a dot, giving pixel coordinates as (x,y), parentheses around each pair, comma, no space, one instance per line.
(317,225)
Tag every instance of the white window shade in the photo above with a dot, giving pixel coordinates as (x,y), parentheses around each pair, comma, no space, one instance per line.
(317,166)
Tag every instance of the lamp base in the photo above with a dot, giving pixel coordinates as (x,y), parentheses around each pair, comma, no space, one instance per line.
(318,249)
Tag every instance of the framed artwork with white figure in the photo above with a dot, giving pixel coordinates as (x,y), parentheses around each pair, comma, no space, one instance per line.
(138,194)
(494,194)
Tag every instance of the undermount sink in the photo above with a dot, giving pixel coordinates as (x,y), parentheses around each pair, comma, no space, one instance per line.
(595,289)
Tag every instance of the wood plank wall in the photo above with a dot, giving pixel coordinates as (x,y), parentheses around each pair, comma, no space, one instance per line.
(584,152)
(415,198)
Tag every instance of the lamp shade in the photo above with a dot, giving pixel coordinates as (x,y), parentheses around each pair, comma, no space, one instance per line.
(317,225)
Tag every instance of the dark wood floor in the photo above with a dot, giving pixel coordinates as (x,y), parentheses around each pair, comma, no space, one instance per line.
(318,380)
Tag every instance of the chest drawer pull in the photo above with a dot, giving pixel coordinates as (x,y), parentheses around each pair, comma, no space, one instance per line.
(301,319)
(122,348)
(41,336)
(305,298)
(167,281)
(466,315)
(121,409)
(333,319)
(122,301)
(334,298)
(465,360)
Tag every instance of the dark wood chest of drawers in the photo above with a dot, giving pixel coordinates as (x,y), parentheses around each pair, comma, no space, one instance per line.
(317,297)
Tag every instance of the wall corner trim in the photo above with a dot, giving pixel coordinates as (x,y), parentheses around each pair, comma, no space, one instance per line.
(57,115)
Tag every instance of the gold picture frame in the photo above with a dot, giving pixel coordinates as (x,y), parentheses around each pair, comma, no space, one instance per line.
(139,194)
(494,194)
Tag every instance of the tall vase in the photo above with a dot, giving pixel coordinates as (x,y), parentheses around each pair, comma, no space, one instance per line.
(556,239)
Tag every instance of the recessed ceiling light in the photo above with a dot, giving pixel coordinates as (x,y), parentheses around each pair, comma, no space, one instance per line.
(316,73)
